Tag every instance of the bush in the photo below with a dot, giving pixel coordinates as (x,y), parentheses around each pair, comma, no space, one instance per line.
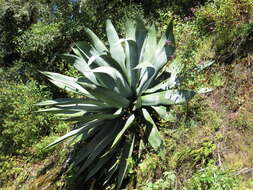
(20,125)
(220,14)
(39,38)
(167,183)
(23,132)
(212,178)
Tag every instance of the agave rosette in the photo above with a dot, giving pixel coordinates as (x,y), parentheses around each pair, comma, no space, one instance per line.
(119,84)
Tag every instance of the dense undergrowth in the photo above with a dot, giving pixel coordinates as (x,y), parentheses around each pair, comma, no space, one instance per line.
(209,143)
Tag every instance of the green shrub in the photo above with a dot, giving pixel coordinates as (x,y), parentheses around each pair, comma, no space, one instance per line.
(22,130)
(39,38)
(211,178)
(191,157)
(20,125)
(166,183)
(219,14)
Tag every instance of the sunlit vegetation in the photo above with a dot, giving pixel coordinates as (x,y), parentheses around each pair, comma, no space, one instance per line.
(207,141)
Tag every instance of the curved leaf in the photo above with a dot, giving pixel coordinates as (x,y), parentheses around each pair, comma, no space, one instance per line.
(74,132)
(64,101)
(166,48)
(67,83)
(85,151)
(102,161)
(162,112)
(131,63)
(122,85)
(128,124)
(99,148)
(83,49)
(151,132)
(123,164)
(106,95)
(169,97)
(150,45)
(140,35)
(86,117)
(116,49)
(98,44)
(148,76)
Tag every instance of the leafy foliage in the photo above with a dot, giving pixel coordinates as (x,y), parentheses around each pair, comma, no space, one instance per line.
(167,183)
(16,112)
(212,178)
(22,131)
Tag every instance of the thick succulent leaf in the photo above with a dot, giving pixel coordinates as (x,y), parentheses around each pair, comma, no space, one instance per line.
(75,132)
(64,101)
(140,35)
(113,63)
(100,147)
(86,134)
(102,161)
(106,95)
(146,79)
(166,48)
(169,97)
(123,164)
(83,48)
(105,60)
(95,61)
(80,107)
(88,52)
(143,66)
(122,85)
(67,83)
(116,49)
(70,115)
(161,57)
(167,38)
(128,124)
(165,85)
(74,110)
(162,112)
(137,103)
(131,63)
(170,78)
(70,87)
(147,50)
(91,116)
(98,44)
(151,132)
(150,45)
(93,58)
(161,76)
(82,66)
(78,52)
(59,110)
(85,151)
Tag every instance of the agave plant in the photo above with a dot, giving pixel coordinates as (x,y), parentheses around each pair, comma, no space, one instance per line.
(119,89)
